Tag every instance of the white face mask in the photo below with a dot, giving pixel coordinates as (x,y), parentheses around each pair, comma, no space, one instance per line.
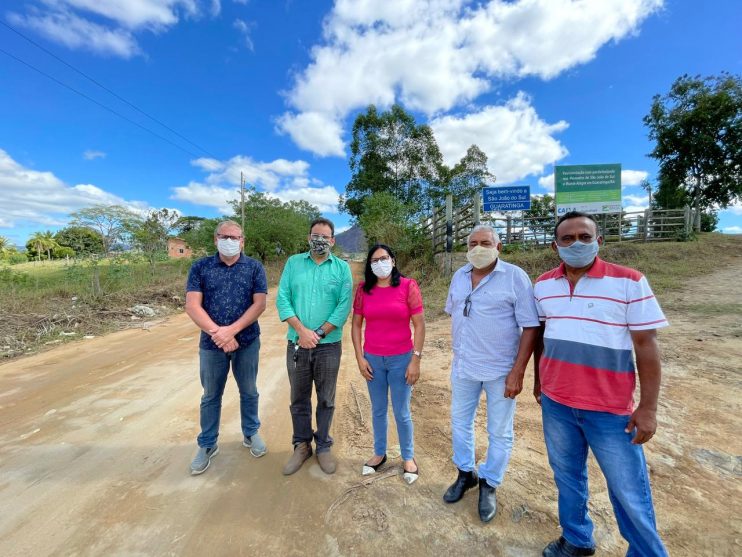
(383,268)
(482,257)
(228,248)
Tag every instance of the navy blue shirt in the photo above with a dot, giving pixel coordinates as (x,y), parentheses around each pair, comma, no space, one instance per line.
(228,292)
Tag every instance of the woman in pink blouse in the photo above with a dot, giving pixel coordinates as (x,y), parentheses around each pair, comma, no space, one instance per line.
(389,358)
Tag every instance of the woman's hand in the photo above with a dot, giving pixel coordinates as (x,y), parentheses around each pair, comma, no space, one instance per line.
(365,368)
(413,371)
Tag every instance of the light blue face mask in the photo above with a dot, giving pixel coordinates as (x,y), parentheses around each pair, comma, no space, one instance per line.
(579,254)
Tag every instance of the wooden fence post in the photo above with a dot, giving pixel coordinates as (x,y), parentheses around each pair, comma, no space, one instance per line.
(647,216)
(476,200)
(449,234)
(686,221)
(508,228)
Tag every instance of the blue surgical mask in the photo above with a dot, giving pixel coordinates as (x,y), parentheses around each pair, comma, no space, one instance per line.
(579,254)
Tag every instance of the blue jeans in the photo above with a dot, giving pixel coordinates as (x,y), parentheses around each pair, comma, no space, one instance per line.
(389,375)
(465,395)
(214,371)
(568,433)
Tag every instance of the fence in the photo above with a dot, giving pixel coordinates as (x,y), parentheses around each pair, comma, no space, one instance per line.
(449,226)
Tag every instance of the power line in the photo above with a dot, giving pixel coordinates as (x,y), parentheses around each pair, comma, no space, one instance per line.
(111,110)
(93,80)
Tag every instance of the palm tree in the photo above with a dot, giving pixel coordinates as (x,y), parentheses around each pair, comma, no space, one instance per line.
(4,243)
(43,241)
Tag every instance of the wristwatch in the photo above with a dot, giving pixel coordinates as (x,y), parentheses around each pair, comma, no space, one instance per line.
(320,332)
(417,353)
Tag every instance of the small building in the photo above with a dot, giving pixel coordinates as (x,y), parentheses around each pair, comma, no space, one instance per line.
(177,247)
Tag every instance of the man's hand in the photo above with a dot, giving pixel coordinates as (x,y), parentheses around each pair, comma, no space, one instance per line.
(231,346)
(221,336)
(537,391)
(307,338)
(365,368)
(514,383)
(413,371)
(645,423)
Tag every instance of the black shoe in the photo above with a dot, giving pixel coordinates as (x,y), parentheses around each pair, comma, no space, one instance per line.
(487,501)
(562,548)
(456,490)
(369,469)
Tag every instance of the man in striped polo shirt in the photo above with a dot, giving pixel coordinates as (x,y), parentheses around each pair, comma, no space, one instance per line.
(594,313)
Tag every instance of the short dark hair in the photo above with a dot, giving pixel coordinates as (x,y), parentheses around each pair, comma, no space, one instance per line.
(370,278)
(575,215)
(322,220)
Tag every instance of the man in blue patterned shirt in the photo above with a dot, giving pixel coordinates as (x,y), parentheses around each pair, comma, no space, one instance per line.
(225,295)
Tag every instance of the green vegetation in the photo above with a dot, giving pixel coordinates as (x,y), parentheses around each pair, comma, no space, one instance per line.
(697,128)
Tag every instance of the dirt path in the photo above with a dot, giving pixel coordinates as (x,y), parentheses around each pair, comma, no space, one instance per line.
(96,438)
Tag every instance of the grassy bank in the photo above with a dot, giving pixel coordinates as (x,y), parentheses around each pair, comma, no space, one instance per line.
(47,303)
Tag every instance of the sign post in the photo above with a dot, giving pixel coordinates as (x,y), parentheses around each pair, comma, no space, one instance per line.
(589,188)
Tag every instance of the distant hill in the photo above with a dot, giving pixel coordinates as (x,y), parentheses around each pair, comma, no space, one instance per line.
(352,240)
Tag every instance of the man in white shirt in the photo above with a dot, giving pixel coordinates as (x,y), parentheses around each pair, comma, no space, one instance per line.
(494,328)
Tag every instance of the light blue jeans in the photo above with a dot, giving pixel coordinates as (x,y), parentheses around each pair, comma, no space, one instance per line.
(569,433)
(214,372)
(389,375)
(465,395)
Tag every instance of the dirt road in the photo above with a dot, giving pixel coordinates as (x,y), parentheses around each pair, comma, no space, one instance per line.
(96,439)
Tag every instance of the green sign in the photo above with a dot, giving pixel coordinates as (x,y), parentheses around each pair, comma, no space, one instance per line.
(590,188)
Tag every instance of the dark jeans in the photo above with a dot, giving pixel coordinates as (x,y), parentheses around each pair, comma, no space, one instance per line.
(214,372)
(319,365)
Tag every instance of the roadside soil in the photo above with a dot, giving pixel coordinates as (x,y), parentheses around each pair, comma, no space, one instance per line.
(96,438)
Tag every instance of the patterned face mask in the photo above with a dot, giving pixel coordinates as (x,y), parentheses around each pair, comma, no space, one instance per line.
(319,246)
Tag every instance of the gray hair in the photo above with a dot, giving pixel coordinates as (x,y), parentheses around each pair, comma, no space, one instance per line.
(224,223)
(489,228)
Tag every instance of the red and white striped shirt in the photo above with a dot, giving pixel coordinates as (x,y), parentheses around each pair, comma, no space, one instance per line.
(588,360)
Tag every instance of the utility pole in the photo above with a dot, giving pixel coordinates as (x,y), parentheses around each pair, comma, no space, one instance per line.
(242,198)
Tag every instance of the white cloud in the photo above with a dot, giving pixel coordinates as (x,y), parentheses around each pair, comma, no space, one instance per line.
(107,26)
(91,154)
(735,208)
(33,197)
(314,131)
(634,208)
(283,179)
(516,141)
(244,28)
(732,229)
(637,201)
(633,177)
(79,33)
(547,182)
(435,55)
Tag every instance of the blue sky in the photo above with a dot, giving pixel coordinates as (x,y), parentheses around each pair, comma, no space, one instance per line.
(271,88)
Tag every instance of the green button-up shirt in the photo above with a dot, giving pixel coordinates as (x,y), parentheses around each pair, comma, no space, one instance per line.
(315,294)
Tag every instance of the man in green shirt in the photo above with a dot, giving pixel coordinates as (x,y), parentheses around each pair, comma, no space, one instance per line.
(314,298)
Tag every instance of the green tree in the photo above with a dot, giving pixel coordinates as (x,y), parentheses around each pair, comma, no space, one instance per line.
(390,153)
(4,245)
(198,233)
(697,128)
(150,235)
(541,216)
(113,222)
(273,227)
(388,221)
(85,241)
(465,179)
(41,242)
